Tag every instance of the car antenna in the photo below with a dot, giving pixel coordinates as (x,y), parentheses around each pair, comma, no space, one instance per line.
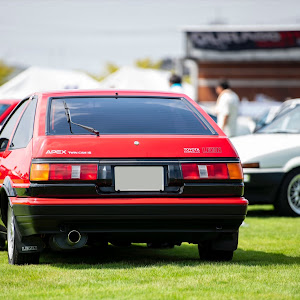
(68,115)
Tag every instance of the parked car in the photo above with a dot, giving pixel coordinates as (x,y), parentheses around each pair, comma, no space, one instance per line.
(79,167)
(274,112)
(6,107)
(265,117)
(271,162)
(287,106)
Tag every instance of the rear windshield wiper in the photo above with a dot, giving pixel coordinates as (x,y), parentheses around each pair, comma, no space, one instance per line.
(68,115)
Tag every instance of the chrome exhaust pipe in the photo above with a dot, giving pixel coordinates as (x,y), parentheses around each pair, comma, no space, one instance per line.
(74,237)
(68,240)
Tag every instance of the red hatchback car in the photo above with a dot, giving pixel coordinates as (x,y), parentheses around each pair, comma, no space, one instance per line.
(81,167)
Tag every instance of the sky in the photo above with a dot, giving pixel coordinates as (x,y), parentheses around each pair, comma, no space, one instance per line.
(86,34)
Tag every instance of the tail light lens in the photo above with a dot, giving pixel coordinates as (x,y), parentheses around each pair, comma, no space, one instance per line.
(195,171)
(190,171)
(235,171)
(44,172)
(39,172)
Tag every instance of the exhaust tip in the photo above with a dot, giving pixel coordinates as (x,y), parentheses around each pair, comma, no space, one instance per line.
(74,237)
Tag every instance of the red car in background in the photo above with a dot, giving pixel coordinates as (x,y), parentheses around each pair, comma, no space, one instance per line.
(6,107)
(80,167)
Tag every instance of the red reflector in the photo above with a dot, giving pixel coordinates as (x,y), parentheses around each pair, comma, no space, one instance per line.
(190,171)
(89,172)
(204,171)
(60,172)
(217,171)
(73,172)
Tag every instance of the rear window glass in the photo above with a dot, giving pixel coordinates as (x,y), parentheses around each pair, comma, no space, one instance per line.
(126,115)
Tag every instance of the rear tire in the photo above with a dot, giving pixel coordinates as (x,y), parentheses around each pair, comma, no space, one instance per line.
(14,256)
(2,237)
(208,254)
(288,202)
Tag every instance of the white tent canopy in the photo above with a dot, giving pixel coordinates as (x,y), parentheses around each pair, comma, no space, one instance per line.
(133,78)
(36,79)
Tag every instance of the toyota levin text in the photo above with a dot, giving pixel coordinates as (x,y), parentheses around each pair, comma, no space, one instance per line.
(81,167)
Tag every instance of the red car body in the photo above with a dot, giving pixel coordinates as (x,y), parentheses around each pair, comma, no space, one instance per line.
(6,107)
(44,201)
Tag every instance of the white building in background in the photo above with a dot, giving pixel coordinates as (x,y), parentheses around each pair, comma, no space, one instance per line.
(257,60)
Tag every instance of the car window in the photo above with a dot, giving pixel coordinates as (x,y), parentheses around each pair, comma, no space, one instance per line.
(127,115)
(283,109)
(287,123)
(24,131)
(8,127)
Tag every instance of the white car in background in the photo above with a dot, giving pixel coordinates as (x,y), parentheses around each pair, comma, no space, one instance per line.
(287,106)
(268,115)
(271,161)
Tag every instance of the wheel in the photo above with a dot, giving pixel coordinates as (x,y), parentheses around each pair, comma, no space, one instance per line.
(2,237)
(288,202)
(14,256)
(207,254)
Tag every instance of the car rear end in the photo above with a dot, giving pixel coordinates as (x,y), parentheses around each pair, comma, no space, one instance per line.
(160,172)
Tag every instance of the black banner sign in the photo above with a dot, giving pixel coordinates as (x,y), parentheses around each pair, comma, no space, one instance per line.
(232,41)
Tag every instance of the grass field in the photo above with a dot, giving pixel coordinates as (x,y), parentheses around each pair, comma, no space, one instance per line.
(266,266)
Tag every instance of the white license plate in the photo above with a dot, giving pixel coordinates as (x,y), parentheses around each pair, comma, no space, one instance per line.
(135,178)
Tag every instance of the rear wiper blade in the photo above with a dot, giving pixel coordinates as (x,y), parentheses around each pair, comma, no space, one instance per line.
(68,115)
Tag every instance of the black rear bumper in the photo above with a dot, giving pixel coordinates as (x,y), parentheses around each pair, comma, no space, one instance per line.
(141,223)
(262,188)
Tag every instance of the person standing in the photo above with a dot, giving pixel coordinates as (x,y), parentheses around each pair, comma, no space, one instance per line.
(227,108)
(175,82)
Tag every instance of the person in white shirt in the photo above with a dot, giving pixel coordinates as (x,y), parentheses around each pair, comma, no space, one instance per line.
(175,82)
(227,108)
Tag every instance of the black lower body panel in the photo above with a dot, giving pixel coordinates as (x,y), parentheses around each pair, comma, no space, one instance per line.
(139,223)
(262,188)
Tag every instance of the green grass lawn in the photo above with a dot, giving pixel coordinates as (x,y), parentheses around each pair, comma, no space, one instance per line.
(266,266)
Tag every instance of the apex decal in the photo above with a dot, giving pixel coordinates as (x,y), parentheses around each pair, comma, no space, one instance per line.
(56,152)
(68,152)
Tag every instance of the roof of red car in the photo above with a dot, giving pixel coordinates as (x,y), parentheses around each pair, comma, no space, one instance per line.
(65,93)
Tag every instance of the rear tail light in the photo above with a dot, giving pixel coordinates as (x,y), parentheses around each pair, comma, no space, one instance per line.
(235,171)
(196,171)
(44,172)
(190,171)
(39,172)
